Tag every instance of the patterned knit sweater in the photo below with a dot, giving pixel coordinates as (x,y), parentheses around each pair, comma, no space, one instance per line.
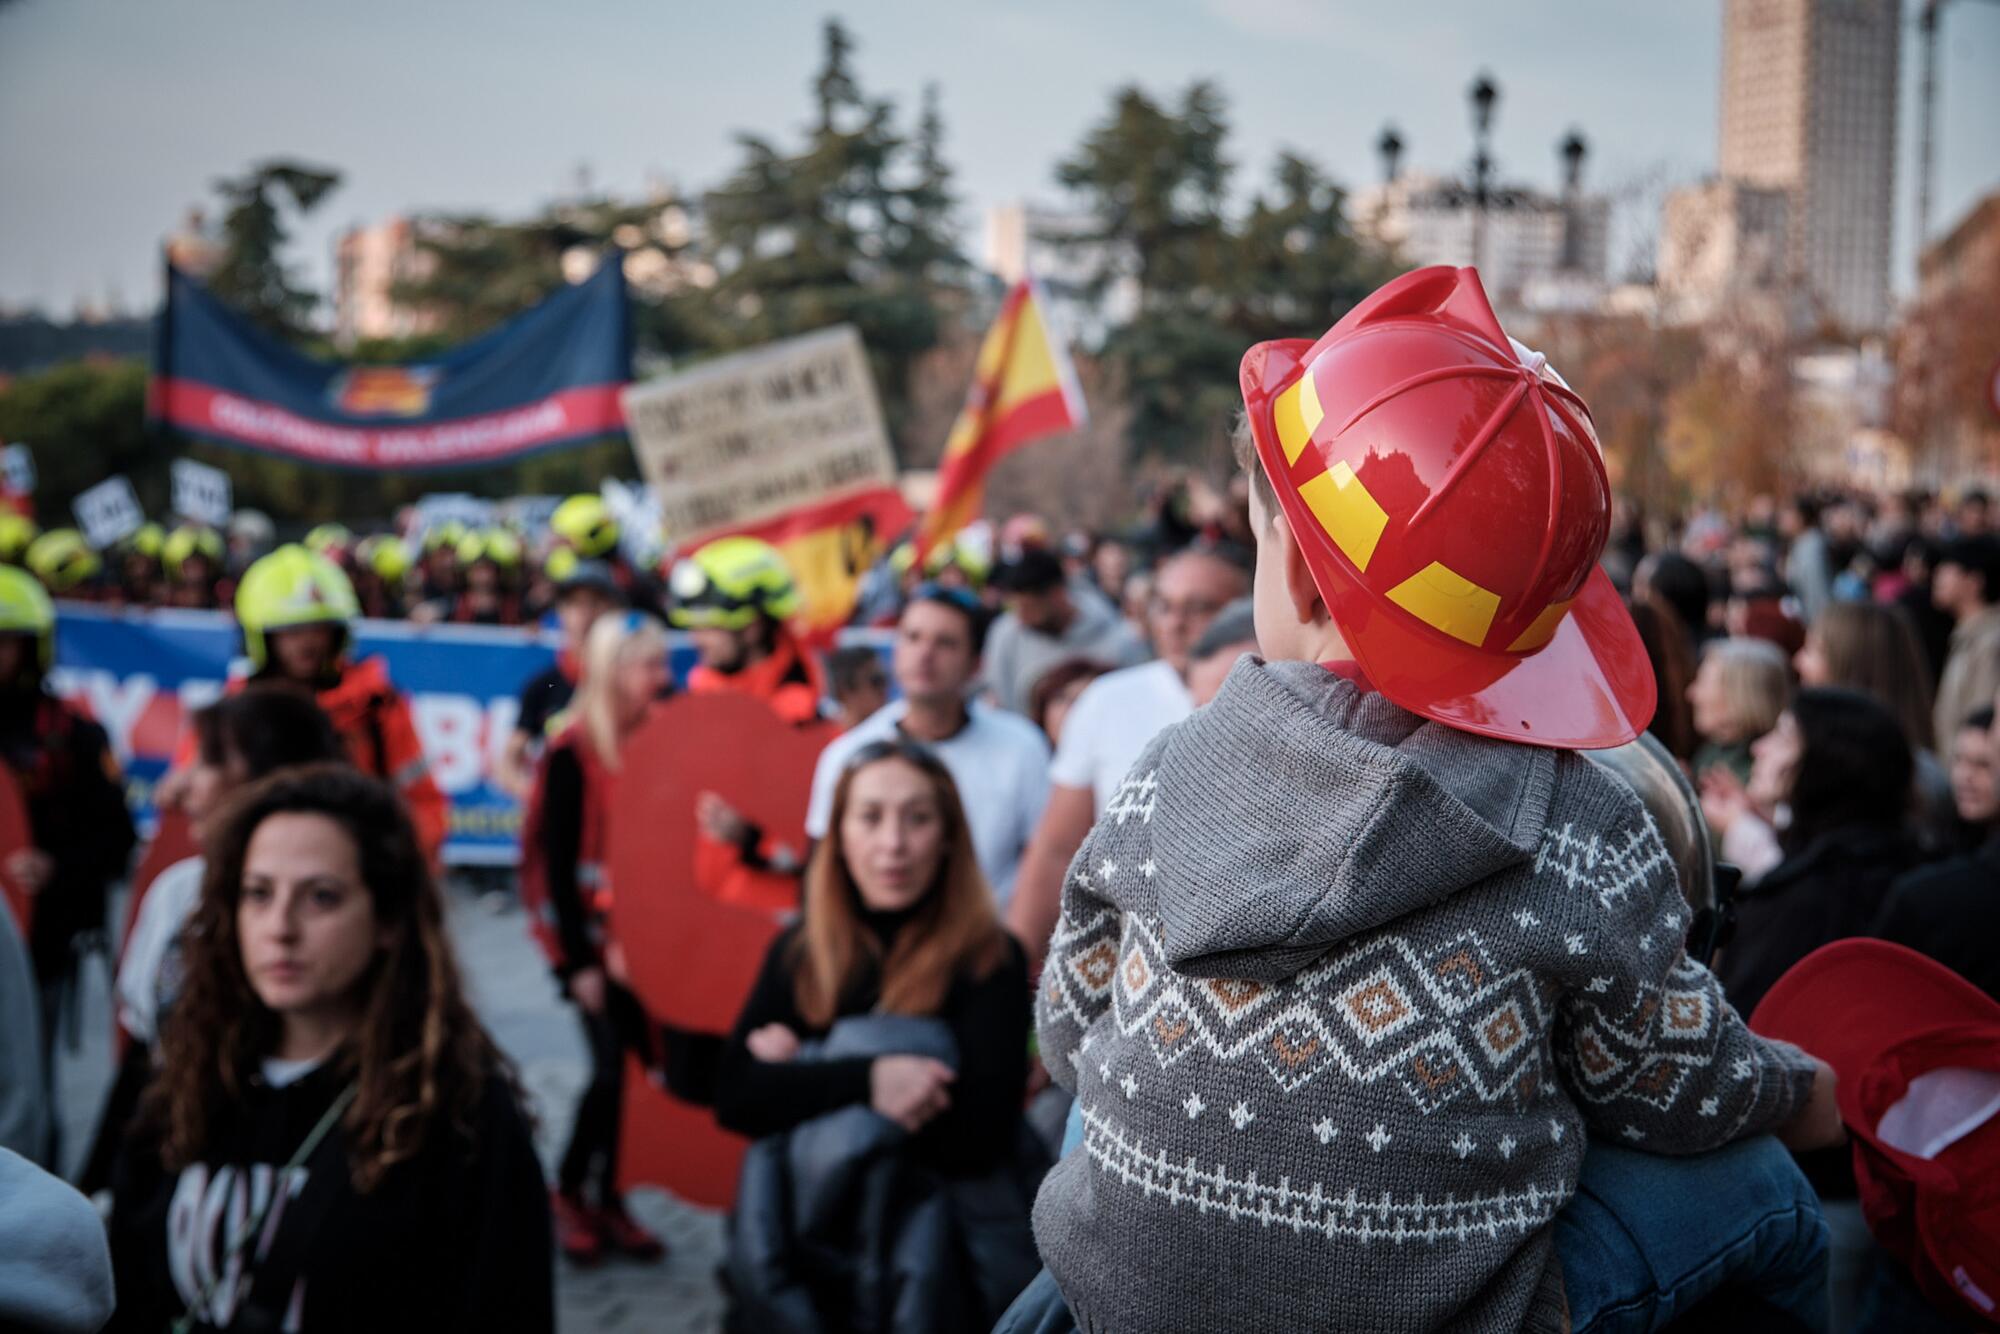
(1341,993)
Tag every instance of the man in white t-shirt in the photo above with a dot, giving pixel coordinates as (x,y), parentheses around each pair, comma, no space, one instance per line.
(999,761)
(1112,721)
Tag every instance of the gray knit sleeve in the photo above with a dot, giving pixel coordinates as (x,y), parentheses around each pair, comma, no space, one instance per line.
(1656,1056)
(1076,978)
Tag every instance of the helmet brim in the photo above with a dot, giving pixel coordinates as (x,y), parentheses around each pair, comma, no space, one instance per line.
(1589,688)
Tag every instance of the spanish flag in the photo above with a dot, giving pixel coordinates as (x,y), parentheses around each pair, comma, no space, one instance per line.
(1023,388)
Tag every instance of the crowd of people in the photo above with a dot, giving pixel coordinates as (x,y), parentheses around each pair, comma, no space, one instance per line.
(1125,980)
(503,572)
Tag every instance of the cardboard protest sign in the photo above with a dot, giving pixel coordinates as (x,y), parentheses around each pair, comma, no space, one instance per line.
(744,438)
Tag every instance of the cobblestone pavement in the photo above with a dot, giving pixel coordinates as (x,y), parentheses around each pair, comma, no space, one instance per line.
(517,999)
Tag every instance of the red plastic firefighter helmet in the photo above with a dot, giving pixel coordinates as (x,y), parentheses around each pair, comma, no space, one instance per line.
(1448,491)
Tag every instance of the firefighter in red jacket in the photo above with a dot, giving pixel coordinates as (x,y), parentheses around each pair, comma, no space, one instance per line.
(296,608)
(735,597)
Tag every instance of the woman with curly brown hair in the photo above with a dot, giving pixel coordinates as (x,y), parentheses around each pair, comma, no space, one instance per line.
(333,1142)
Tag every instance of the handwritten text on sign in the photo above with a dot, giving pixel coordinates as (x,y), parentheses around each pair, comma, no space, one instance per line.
(742,438)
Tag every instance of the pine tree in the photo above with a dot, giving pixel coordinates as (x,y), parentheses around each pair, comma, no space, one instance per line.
(833,234)
(252,274)
(1154,179)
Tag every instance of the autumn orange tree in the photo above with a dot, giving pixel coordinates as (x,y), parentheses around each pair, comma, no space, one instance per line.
(1947,352)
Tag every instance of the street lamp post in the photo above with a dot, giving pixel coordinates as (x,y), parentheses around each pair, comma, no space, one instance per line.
(1484,94)
(1390,146)
(1572,150)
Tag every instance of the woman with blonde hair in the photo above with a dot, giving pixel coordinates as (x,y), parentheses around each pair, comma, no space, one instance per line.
(1738,692)
(567,894)
(332,1141)
(898,924)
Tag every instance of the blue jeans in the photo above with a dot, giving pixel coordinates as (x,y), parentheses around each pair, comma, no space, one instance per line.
(1646,1240)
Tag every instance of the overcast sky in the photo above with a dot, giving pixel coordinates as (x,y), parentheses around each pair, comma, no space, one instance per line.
(115,114)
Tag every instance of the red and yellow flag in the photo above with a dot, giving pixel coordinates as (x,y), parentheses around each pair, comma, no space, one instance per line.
(1023,388)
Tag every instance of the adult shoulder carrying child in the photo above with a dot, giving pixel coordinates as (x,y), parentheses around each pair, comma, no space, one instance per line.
(1363,957)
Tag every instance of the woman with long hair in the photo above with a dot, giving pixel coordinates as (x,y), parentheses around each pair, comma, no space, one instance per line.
(898,921)
(1871,648)
(238,739)
(332,1142)
(1836,772)
(568,896)
(1874,649)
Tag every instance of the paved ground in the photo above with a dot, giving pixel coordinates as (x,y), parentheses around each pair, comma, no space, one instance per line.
(517,999)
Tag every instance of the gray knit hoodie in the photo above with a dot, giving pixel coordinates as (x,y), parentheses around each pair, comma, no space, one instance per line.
(1340,993)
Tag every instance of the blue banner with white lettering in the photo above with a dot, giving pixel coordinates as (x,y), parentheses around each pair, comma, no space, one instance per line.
(141,673)
(550,376)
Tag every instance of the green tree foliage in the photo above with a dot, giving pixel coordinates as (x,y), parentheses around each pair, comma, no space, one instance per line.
(1296,265)
(84,421)
(474,272)
(853,226)
(1155,178)
(252,274)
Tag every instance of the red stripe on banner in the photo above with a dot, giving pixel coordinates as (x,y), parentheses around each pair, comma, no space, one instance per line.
(214,413)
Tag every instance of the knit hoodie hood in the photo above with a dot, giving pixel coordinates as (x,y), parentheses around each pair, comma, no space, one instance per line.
(1398,814)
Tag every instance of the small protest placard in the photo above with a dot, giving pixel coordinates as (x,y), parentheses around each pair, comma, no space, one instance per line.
(108,512)
(202,493)
(17,470)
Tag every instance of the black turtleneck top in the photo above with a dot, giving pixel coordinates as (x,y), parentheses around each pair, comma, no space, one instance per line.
(989,1019)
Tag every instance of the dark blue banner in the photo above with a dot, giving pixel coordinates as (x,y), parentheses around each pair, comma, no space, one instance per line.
(550,376)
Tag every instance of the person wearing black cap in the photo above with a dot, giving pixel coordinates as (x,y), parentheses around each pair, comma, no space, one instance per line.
(1967,588)
(586,593)
(1048,619)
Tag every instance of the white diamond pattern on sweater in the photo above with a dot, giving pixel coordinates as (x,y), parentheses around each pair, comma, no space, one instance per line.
(1445,1006)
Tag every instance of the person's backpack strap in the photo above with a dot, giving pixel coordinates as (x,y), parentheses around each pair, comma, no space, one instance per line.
(276,1273)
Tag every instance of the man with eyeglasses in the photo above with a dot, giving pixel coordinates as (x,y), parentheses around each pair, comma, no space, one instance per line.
(1048,620)
(998,760)
(1112,721)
